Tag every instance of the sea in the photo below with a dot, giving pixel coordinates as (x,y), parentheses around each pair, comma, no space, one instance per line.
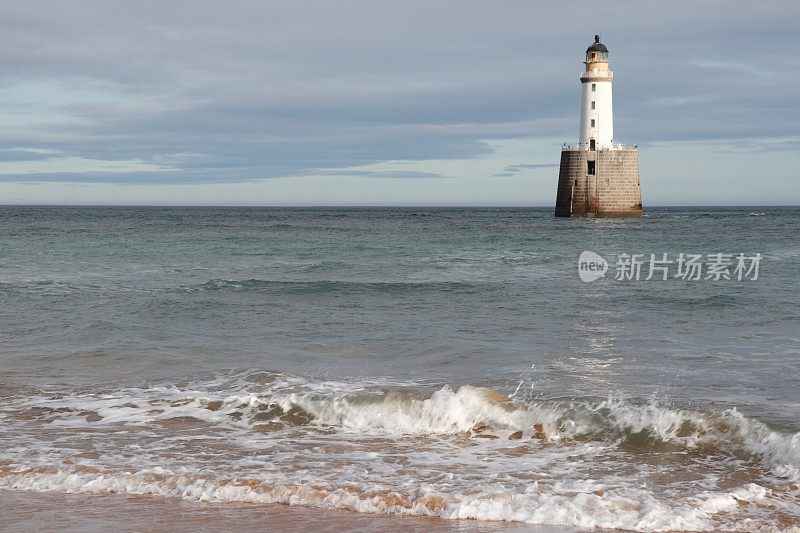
(429,369)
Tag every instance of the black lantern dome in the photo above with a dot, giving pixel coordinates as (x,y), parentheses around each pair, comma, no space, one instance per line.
(597,46)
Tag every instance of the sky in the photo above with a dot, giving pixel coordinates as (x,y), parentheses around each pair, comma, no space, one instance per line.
(373,102)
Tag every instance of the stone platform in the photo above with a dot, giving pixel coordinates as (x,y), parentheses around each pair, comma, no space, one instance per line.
(599,183)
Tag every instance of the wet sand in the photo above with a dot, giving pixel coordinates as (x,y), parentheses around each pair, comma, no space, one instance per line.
(37,511)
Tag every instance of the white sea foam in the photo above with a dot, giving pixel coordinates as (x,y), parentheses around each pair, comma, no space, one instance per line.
(536,505)
(378,447)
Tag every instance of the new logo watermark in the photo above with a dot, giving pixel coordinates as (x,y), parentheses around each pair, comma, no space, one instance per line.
(591,266)
(665,266)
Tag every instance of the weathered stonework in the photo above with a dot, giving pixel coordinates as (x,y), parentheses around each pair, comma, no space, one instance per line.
(612,191)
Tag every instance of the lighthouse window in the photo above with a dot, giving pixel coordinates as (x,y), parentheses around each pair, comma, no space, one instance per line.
(590,168)
(594,87)
(593,123)
(592,104)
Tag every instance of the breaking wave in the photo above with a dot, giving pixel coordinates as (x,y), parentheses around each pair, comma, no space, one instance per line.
(468,452)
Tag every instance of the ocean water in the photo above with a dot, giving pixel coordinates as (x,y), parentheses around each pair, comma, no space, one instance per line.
(407,362)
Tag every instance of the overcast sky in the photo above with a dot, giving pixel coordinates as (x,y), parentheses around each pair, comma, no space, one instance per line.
(389,102)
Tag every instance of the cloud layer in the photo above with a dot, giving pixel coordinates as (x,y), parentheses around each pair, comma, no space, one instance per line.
(226,92)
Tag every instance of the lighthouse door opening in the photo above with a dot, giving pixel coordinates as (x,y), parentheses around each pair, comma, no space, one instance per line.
(590,168)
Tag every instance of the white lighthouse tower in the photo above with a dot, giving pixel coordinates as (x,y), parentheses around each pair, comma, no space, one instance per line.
(598,177)
(597,117)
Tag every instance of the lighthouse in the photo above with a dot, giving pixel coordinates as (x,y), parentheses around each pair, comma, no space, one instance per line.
(598,177)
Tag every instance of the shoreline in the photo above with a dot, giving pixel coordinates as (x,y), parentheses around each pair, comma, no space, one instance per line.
(54,511)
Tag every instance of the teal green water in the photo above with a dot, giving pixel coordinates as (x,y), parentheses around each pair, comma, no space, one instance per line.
(350,330)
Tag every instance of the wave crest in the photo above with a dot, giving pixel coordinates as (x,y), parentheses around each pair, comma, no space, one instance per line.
(323,286)
(466,452)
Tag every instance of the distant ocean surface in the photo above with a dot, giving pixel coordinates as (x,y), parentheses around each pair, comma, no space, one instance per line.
(444,362)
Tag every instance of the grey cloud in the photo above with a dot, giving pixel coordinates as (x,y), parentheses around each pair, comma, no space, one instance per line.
(26,154)
(276,89)
(387,174)
(513,170)
(224,175)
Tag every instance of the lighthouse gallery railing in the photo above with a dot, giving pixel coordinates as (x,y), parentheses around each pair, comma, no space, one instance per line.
(585,146)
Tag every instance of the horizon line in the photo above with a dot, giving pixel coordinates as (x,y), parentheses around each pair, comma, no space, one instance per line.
(454,205)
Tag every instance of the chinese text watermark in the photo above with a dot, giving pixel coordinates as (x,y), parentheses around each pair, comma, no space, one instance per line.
(664,266)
